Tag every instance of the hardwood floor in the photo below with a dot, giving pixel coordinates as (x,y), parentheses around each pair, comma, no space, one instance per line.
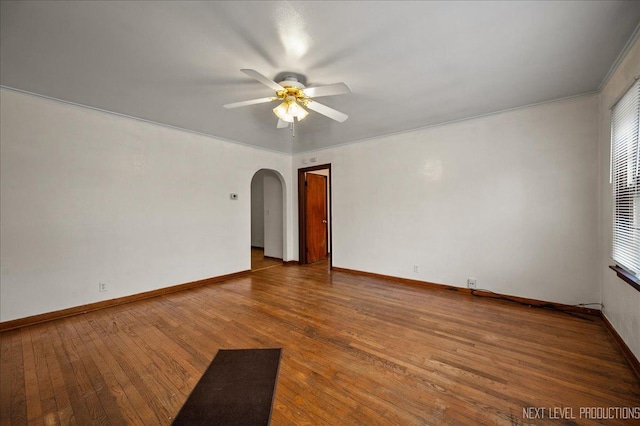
(357,350)
(259,262)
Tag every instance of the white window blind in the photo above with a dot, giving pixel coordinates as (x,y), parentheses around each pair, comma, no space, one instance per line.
(625,179)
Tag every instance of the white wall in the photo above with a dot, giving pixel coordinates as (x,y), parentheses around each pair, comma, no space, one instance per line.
(510,199)
(257,209)
(89,197)
(621,301)
(273,224)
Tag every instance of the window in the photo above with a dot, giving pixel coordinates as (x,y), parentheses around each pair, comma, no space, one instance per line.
(625,179)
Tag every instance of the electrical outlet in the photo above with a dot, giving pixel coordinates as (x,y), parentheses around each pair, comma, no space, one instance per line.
(416,269)
(471,283)
(102,287)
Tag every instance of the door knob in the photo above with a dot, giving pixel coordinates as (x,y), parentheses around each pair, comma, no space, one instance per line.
(324,220)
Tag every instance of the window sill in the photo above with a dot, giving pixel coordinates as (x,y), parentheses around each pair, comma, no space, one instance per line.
(627,276)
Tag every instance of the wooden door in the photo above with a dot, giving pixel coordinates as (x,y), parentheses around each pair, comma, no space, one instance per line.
(316,223)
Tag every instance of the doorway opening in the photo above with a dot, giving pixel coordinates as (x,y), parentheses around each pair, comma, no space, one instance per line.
(314,214)
(267,219)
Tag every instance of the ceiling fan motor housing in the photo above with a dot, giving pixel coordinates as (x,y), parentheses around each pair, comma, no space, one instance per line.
(291,76)
(293,88)
(291,82)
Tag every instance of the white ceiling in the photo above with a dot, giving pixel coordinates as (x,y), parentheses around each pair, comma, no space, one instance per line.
(409,64)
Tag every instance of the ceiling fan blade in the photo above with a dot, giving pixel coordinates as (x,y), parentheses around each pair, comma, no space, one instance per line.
(262,79)
(282,124)
(328,90)
(325,110)
(251,102)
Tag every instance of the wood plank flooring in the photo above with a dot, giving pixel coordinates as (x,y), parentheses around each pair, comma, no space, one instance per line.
(259,262)
(357,350)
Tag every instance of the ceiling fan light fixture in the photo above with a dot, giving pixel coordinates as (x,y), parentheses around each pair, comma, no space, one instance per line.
(289,109)
(302,113)
(288,118)
(282,112)
(294,109)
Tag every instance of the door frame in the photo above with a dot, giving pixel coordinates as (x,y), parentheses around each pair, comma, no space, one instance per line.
(302,214)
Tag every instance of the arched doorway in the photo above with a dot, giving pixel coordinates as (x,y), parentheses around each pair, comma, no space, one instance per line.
(267,219)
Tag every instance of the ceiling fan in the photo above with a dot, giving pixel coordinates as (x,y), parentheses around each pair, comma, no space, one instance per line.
(295,98)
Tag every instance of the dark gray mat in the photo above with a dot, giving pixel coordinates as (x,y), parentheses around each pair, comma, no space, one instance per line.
(236,389)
